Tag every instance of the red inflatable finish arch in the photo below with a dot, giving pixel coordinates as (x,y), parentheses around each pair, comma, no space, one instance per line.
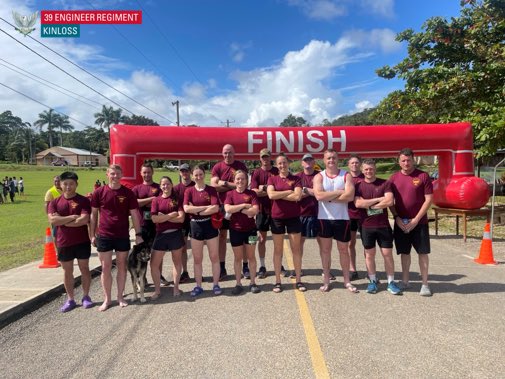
(457,186)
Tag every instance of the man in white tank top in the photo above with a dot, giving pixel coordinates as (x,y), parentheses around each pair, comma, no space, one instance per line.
(334,188)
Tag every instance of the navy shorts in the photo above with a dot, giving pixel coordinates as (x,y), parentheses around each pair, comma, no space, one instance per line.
(239,238)
(419,238)
(203,230)
(310,226)
(169,241)
(263,222)
(337,229)
(281,225)
(382,236)
(79,251)
(104,244)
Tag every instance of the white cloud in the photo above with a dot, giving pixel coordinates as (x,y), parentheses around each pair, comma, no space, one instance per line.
(362,105)
(383,39)
(237,51)
(327,10)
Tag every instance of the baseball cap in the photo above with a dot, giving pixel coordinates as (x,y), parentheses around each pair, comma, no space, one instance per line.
(307,156)
(184,166)
(265,152)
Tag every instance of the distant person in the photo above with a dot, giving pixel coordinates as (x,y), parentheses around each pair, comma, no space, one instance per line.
(69,213)
(12,189)
(5,188)
(21,186)
(15,184)
(223,175)
(413,194)
(259,180)
(114,203)
(373,196)
(179,189)
(334,189)
(354,166)
(54,192)
(242,205)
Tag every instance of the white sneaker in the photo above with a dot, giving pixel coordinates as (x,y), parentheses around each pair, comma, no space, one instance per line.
(425,290)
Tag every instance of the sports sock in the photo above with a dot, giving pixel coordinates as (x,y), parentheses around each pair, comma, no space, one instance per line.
(222,265)
(373,278)
(391,278)
(262,262)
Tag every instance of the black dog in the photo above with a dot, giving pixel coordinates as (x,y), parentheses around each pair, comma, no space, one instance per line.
(138,258)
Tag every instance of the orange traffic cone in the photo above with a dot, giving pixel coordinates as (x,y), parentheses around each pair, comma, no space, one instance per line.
(486,248)
(50,260)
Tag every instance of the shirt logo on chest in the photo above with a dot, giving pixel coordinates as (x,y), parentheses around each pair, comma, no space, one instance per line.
(416,181)
(121,199)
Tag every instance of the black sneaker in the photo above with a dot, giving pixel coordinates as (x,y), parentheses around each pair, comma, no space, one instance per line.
(284,272)
(262,273)
(353,275)
(293,274)
(246,273)
(254,288)
(237,290)
(164,282)
(184,277)
(223,274)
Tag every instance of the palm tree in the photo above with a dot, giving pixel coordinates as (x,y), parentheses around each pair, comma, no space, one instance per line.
(62,122)
(107,117)
(48,118)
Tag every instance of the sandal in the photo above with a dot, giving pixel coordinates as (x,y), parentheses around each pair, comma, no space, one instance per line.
(301,287)
(196,291)
(351,288)
(277,288)
(325,288)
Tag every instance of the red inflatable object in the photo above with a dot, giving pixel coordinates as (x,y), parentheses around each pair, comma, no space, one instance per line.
(457,186)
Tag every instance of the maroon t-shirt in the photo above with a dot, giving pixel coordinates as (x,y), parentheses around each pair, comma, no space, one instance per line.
(240,221)
(259,178)
(354,212)
(114,207)
(281,208)
(371,191)
(143,191)
(409,191)
(227,172)
(166,205)
(208,196)
(308,205)
(77,205)
(179,189)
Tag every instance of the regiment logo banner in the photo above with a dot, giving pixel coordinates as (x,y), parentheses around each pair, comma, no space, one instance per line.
(25,24)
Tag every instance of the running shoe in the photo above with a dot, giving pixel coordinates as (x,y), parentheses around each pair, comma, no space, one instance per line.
(254,288)
(164,282)
(293,274)
(68,306)
(223,274)
(86,302)
(262,273)
(197,291)
(237,290)
(425,290)
(284,272)
(372,287)
(217,290)
(393,288)
(246,273)
(184,277)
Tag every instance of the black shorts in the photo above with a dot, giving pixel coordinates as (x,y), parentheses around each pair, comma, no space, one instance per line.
(226,223)
(243,238)
(382,236)
(355,226)
(281,225)
(104,244)
(419,238)
(337,229)
(310,226)
(186,227)
(169,241)
(203,230)
(79,251)
(263,222)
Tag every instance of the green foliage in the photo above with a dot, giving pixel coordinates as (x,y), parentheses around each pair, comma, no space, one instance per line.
(138,120)
(455,71)
(294,121)
(359,118)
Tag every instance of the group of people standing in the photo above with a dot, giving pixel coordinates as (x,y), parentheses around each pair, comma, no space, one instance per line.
(331,204)
(11,187)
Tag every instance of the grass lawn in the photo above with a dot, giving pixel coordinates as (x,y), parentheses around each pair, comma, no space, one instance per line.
(23,223)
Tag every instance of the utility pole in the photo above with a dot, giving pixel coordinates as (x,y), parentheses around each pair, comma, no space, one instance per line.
(176,103)
(228,122)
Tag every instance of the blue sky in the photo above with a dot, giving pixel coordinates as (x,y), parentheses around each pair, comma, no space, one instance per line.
(250,62)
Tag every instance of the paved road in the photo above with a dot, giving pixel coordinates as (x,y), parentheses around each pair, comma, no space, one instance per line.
(457,333)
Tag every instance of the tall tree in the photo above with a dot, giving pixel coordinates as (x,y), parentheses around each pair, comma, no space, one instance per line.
(8,125)
(107,117)
(294,121)
(48,118)
(62,122)
(454,71)
(138,120)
